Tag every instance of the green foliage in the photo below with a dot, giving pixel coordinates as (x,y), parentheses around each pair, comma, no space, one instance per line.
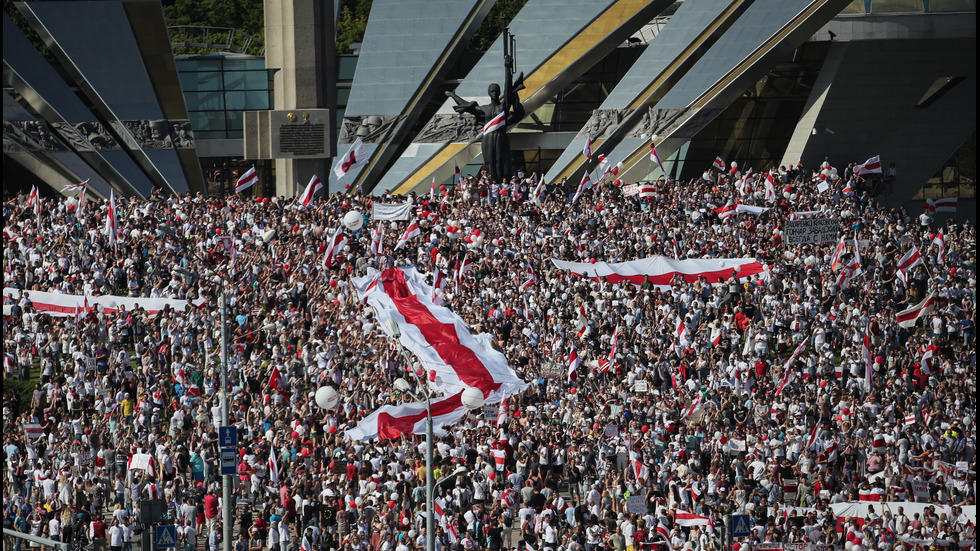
(500,16)
(351,23)
(245,15)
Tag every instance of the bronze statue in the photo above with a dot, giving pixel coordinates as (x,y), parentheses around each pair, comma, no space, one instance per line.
(496,146)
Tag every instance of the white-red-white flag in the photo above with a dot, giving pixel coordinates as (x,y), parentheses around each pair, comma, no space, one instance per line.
(694,406)
(411,231)
(377,239)
(729,209)
(946,204)
(871,166)
(640,471)
(336,244)
(684,518)
(306,199)
(907,318)
(582,186)
(940,241)
(838,253)
(813,435)
(868,361)
(531,280)
(573,362)
(111,225)
(495,123)
(502,413)
(770,188)
(719,164)
(587,150)
(246,180)
(654,156)
(438,283)
(355,157)
(907,262)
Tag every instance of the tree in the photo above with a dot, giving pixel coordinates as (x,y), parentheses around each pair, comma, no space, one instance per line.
(351,23)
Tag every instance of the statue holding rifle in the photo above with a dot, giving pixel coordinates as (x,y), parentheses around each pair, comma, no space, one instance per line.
(503,110)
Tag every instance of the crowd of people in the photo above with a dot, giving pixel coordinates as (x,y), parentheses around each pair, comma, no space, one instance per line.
(649,448)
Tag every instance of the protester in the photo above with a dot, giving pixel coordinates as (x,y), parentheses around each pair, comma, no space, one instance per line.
(760,405)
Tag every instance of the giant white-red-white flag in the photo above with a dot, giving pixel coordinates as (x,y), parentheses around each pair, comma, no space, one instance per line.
(355,157)
(946,204)
(440,338)
(907,318)
(411,231)
(306,199)
(246,180)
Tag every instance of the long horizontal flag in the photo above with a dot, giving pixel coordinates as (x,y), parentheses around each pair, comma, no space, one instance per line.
(907,318)
(392,421)
(661,269)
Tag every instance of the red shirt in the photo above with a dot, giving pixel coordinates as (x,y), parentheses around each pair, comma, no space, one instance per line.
(210,506)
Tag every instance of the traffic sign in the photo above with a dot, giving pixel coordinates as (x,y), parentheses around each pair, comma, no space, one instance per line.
(166,536)
(741,526)
(228,437)
(229,462)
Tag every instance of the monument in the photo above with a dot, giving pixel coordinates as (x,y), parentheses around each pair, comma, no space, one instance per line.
(496,116)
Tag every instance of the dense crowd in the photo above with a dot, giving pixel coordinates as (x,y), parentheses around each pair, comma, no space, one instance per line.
(618,457)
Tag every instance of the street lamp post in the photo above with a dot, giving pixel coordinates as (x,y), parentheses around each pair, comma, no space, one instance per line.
(472,398)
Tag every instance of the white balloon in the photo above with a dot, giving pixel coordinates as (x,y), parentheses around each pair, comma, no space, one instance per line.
(653,138)
(326,397)
(358,501)
(353,220)
(721,263)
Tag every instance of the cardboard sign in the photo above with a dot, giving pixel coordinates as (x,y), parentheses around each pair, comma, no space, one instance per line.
(637,504)
(921,490)
(551,370)
(811,230)
(612,430)
(630,190)
(641,386)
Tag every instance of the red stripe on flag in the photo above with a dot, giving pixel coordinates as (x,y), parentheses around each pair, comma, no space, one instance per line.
(441,336)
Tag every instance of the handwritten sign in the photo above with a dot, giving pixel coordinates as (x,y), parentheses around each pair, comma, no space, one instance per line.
(811,230)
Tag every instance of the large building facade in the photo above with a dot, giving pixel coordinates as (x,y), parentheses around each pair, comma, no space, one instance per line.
(761,82)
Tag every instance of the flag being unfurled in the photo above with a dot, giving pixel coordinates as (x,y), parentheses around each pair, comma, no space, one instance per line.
(907,318)
(306,199)
(246,180)
(111,226)
(411,231)
(871,166)
(587,150)
(582,186)
(355,157)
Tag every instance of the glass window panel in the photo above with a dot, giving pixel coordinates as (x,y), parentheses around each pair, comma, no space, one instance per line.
(953,5)
(235,101)
(200,81)
(234,80)
(207,121)
(234,121)
(345,67)
(343,95)
(204,101)
(256,80)
(235,64)
(896,6)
